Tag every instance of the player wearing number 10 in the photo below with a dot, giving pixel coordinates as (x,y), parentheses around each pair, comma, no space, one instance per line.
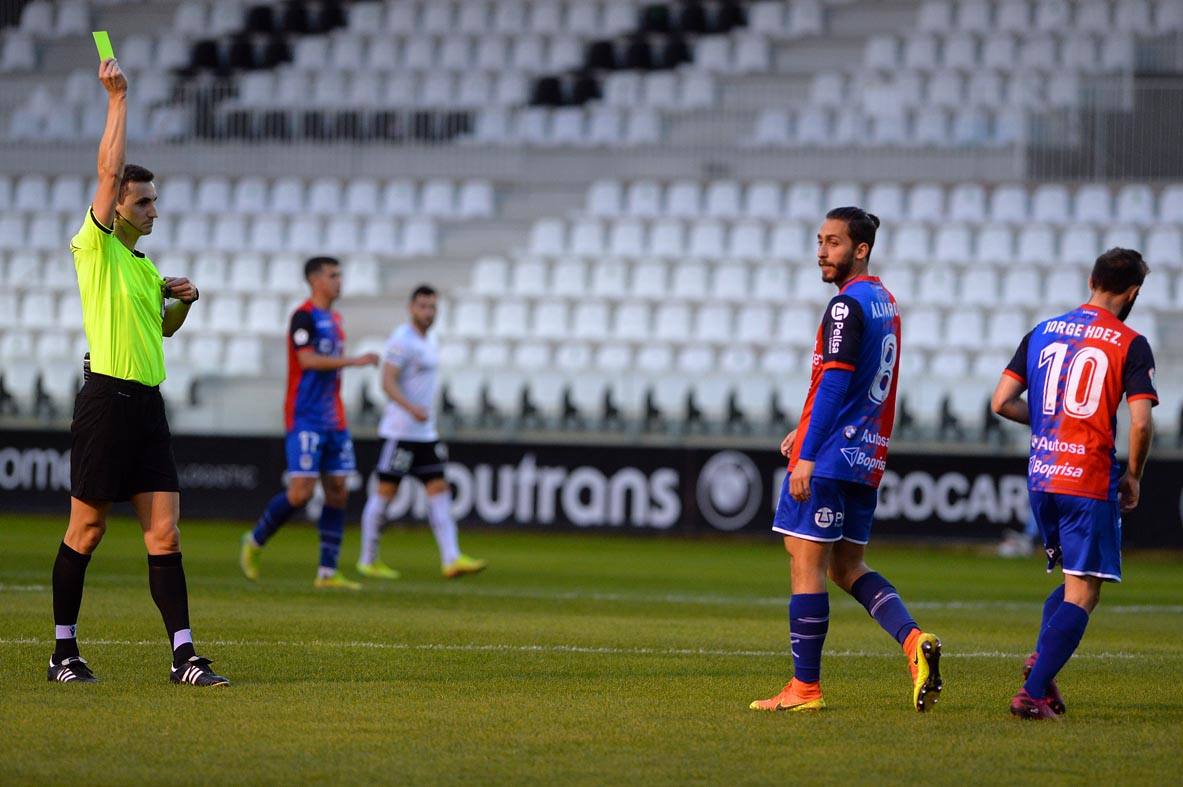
(1078,366)
(837,455)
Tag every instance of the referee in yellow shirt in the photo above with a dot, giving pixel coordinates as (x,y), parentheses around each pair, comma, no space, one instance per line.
(120,438)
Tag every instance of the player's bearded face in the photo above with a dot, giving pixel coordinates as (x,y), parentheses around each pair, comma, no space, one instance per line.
(836,265)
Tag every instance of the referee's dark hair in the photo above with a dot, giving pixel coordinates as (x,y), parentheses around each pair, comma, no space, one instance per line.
(860,224)
(133,173)
(1118,269)
(423,289)
(316,263)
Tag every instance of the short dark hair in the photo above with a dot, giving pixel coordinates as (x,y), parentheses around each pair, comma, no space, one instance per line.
(133,173)
(860,224)
(316,263)
(422,290)
(1118,269)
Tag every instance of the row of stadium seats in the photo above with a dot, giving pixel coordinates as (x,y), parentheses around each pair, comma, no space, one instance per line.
(1053,16)
(582,17)
(1002,52)
(676,402)
(288,88)
(525,52)
(1041,245)
(599,127)
(887,94)
(327,196)
(72,124)
(1047,203)
(937,285)
(242,272)
(456,53)
(255,314)
(718,323)
(769,354)
(931,127)
(305,234)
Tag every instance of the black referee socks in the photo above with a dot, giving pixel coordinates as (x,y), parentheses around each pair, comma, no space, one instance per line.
(69,573)
(166,580)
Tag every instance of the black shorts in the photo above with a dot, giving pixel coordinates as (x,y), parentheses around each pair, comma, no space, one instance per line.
(120,442)
(400,458)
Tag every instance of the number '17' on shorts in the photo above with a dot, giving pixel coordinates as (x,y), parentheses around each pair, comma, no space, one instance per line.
(313,452)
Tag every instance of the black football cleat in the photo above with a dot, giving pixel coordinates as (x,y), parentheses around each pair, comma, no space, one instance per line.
(71,669)
(196,672)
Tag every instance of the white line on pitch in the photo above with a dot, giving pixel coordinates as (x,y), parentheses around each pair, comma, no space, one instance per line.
(576,649)
(425,588)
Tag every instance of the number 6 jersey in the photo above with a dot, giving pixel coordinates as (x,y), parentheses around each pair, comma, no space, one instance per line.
(1076,368)
(859,333)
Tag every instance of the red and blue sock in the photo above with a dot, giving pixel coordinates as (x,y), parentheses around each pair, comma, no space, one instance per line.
(883,603)
(1058,642)
(809,620)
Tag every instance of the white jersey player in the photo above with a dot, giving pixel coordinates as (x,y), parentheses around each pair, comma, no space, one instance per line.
(410,371)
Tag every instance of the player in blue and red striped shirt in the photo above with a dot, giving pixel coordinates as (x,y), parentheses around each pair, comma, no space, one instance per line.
(318,443)
(837,455)
(1078,366)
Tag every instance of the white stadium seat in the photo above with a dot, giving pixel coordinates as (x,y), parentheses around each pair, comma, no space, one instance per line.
(1036,244)
(649,280)
(590,322)
(609,280)
(569,278)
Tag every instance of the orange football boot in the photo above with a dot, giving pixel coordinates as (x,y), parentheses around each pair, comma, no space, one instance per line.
(795,696)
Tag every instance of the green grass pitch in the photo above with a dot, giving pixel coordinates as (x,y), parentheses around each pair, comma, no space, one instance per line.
(575,659)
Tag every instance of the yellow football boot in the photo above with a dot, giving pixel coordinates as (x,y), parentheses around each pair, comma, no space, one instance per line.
(464,565)
(335,581)
(377,570)
(248,557)
(924,658)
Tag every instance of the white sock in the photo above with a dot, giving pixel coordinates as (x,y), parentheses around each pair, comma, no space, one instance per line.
(439,515)
(324,572)
(373,516)
(181,637)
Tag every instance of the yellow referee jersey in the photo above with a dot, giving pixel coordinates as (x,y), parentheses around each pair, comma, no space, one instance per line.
(122,302)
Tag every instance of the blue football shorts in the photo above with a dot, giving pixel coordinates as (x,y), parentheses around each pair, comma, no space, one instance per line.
(835,510)
(1080,533)
(313,452)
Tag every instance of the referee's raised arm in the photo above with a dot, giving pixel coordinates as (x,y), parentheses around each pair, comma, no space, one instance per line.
(113,148)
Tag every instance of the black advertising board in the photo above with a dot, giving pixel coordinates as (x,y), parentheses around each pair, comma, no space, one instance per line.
(605,487)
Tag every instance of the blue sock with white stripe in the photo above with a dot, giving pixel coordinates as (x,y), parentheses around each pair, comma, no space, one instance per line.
(809,620)
(1053,602)
(1058,643)
(332,530)
(277,512)
(884,604)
